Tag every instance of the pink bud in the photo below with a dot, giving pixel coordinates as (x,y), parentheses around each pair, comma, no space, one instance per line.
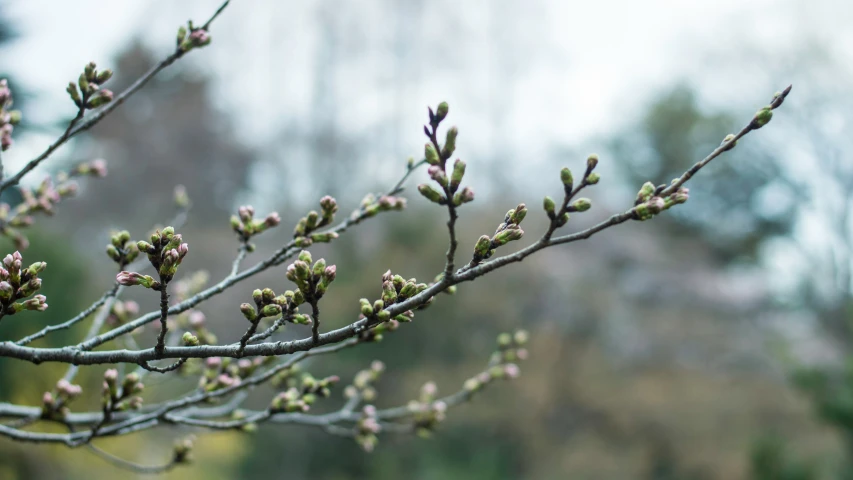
(99,167)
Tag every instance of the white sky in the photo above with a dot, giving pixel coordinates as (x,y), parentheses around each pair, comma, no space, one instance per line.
(587,59)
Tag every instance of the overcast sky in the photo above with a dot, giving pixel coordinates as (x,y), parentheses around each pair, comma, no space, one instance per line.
(579,62)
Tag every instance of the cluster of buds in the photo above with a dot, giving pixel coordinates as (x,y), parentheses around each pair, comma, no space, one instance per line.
(395,289)
(426,412)
(165,252)
(509,230)
(362,386)
(312,281)
(8,118)
(502,364)
(306,228)
(90,95)
(371,205)
(221,373)
(367,428)
(122,312)
(268,305)
(649,202)
(117,398)
(437,156)
(590,177)
(302,393)
(95,168)
(182,450)
(56,406)
(17,284)
(245,225)
(190,37)
(121,250)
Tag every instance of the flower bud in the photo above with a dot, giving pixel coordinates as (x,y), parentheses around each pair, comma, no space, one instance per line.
(581,205)
(441,111)
(646,191)
(431,154)
(449,142)
(189,340)
(482,247)
(458,173)
(566,177)
(271,310)
(248,311)
(762,117)
(103,76)
(389,293)
(129,279)
(549,206)
(464,196)
(437,173)
(506,236)
(431,194)
(593,178)
(305,256)
(518,214)
(366,308)
(592,162)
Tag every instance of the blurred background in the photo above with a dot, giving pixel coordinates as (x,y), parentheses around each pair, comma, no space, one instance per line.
(710,343)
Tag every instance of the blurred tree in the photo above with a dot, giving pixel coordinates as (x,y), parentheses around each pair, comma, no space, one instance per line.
(169,133)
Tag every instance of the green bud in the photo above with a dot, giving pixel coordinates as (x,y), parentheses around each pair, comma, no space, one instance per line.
(15,117)
(366,309)
(581,205)
(248,311)
(521,337)
(83,83)
(563,219)
(389,293)
(298,297)
(504,340)
(518,214)
(302,319)
(646,191)
(236,224)
(74,94)
(566,177)
(319,267)
(762,117)
(383,316)
(189,340)
(449,142)
(458,173)
(431,194)
(378,305)
(182,34)
(258,295)
(268,295)
(37,268)
(305,256)
(324,237)
(506,236)
(550,207)
(592,162)
(103,76)
(113,253)
(430,154)
(441,111)
(408,290)
(729,138)
(484,244)
(593,178)
(271,310)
